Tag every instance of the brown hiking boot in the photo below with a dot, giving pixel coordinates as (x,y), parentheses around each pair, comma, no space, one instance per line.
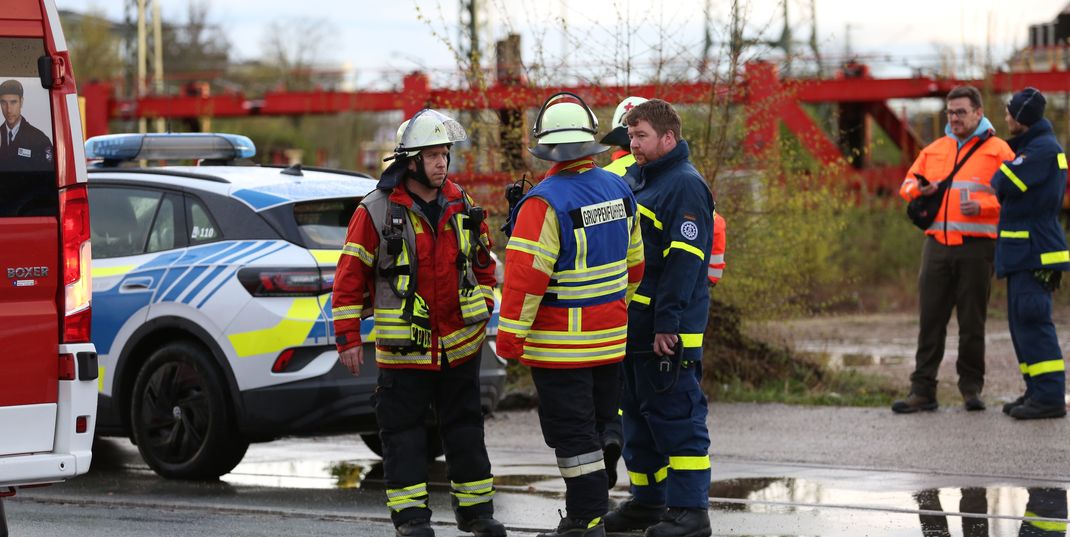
(914,403)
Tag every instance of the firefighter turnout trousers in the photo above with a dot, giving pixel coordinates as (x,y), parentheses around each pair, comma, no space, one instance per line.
(573,405)
(1035,343)
(403,399)
(666,443)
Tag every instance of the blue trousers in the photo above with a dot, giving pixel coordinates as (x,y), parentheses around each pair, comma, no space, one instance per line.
(1034,338)
(666,442)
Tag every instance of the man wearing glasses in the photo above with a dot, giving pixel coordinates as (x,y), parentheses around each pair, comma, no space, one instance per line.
(957,258)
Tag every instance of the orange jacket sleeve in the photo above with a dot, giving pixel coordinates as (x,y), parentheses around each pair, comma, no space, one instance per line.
(720,239)
(911,189)
(354,279)
(530,256)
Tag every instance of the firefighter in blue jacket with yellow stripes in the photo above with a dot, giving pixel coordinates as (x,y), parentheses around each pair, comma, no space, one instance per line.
(1031,253)
(666,442)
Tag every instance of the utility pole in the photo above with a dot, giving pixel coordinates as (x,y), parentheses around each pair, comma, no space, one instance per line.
(470,26)
(813,39)
(157,57)
(785,42)
(141,81)
(707,44)
(142,67)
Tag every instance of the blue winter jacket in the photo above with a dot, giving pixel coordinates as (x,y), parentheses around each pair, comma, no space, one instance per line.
(676,216)
(1030,191)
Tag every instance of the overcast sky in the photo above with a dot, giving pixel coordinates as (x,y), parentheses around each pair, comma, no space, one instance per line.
(381,38)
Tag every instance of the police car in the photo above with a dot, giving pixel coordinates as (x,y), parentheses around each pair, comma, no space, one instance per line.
(212,302)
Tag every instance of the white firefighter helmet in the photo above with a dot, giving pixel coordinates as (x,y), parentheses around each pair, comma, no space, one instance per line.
(623,108)
(619,135)
(565,129)
(427,128)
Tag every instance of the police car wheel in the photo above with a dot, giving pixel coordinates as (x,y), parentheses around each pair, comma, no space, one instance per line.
(434,444)
(180,415)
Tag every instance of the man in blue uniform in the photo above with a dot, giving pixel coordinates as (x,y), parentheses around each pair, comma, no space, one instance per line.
(666,443)
(1031,253)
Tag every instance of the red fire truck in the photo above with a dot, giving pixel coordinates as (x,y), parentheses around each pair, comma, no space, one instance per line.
(48,369)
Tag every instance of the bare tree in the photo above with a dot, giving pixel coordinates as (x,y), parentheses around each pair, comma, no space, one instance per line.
(196,49)
(291,48)
(94,46)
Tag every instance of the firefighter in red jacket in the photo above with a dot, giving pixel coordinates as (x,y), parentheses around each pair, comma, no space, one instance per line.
(573,260)
(417,257)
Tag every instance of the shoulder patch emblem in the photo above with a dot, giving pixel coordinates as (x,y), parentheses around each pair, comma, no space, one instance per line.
(689,230)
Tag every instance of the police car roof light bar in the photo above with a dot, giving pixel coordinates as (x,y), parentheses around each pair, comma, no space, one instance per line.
(115,148)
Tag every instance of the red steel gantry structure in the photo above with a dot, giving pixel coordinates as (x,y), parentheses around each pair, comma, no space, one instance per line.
(767,99)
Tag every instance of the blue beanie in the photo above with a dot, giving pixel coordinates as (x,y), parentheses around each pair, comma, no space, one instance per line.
(1027,106)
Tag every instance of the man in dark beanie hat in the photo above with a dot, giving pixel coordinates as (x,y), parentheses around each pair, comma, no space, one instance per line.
(1027,107)
(1031,253)
(23,147)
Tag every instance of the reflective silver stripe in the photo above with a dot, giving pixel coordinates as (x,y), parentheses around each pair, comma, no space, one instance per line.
(514,326)
(465,500)
(588,291)
(464,350)
(473,493)
(965,227)
(530,247)
(407,492)
(358,251)
(971,186)
(537,353)
(473,486)
(591,273)
(400,359)
(460,335)
(715,259)
(581,464)
(715,273)
(399,505)
(540,336)
(346,312)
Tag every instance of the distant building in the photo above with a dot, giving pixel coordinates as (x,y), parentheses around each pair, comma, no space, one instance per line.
(1049,46)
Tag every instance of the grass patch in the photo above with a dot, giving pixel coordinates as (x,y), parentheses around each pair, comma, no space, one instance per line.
(833,388)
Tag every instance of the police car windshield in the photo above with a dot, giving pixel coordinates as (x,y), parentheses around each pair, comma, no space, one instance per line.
(323,223)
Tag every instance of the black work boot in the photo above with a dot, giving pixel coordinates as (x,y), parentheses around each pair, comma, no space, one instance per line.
(682,522)
(482,526)
(633,516)
(973,402)
(1007,407)
(578,527)
(1032,410)
(914,403)
(420,527)
(611,455)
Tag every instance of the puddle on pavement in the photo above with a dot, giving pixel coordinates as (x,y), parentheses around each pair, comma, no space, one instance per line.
(346,474)
(981,511)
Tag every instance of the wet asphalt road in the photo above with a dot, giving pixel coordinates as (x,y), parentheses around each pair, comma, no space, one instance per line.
(777,470)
